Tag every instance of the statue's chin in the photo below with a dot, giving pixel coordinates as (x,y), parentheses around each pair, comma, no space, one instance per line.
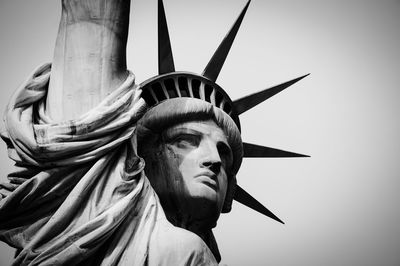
(200,209)
(204,207)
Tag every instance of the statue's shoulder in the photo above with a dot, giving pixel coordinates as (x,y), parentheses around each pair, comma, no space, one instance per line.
(172,245)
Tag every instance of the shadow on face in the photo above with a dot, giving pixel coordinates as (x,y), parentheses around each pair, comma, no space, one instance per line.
(186,166)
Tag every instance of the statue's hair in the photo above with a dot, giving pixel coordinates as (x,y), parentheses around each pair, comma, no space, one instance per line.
(180,110)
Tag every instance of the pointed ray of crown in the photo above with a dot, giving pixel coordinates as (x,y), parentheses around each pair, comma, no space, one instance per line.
(165,58)
(217,61)
(246,199)
(172,84)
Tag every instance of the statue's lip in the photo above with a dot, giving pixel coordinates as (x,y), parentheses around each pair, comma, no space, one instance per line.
(209,178)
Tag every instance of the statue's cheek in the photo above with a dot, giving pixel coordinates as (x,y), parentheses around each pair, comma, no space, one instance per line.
(174,155)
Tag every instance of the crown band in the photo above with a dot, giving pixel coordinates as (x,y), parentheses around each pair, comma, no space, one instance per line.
(186,84)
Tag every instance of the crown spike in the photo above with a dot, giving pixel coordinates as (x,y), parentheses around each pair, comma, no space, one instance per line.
(257,151)
(165,58)
(246,103)
(217,61)
(246,199)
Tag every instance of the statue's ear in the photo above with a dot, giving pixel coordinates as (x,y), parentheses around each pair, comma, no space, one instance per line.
(229,194)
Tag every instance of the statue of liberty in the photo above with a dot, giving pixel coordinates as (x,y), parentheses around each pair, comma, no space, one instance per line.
(110,172)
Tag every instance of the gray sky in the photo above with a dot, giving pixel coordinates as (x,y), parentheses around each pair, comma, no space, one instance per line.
(341,205)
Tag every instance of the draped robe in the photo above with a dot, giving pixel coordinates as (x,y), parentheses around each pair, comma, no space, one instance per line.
(78,194)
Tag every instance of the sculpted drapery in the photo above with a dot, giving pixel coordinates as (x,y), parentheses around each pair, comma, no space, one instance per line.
(78,195)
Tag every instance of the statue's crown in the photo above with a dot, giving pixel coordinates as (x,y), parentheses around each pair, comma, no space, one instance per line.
(173,84)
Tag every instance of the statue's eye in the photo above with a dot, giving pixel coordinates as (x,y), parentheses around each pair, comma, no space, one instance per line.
(186,140)
(226,153)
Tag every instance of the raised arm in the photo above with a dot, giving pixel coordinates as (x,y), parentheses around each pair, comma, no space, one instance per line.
(89,57)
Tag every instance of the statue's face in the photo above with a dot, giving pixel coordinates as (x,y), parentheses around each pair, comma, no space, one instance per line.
(194,159)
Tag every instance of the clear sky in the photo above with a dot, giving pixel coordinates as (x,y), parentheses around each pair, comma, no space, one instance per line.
(341,206)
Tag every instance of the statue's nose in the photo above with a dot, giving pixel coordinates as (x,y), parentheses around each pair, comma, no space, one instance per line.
(211,158)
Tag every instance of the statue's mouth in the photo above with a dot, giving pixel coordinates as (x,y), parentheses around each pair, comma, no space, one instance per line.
(209,179)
